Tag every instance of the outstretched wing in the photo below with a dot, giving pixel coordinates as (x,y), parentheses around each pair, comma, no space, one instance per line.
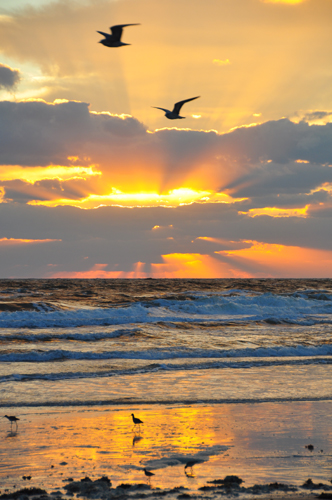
(106,35)
(117,30)
(178,105)
(163,109)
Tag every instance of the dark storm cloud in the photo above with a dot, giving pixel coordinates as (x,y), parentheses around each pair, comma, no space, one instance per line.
(8,77)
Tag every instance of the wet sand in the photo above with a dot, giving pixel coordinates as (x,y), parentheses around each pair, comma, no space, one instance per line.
(260,443)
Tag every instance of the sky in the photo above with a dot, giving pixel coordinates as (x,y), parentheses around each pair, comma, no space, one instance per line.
(95,182)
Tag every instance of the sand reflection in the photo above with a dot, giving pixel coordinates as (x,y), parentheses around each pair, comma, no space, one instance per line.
(257,442)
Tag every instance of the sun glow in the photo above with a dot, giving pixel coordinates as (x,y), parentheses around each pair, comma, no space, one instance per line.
(173,198)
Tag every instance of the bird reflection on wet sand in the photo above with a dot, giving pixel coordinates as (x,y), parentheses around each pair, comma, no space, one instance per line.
(136,439)
(11,433)
(190,465)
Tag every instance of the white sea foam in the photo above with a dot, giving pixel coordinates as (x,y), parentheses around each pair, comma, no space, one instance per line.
(294,309)
(65,343)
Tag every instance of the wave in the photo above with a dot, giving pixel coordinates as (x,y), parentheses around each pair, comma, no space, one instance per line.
(159,367)
(166,354)
(52,336)
(162,401)
(305,308)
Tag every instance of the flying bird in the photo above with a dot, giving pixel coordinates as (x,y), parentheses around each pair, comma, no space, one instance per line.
(174,115)
(114,40)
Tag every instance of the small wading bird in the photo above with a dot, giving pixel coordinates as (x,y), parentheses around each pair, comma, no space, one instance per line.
(190,465)
(174,115)
(136,421)
(148,474)
(114,40)
(11,420)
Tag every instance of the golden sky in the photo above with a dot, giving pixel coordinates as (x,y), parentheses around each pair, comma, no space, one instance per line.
(242,188)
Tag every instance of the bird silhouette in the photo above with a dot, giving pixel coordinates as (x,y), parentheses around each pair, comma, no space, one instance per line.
(12,419)
(175,113)
(136,421)
(190,465)
(114,40)
(148,474)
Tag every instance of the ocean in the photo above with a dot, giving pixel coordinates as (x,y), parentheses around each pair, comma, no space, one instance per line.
(236,371)
(97,342)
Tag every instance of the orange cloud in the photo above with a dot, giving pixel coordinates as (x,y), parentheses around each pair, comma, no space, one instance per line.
(192,265)
(271,260)
(35,174)
(277,212)
(260,260)
(99,271)
(17,241)
(186,265)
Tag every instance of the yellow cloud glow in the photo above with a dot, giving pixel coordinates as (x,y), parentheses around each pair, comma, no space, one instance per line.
(35,174)
(174,198)
(17,241)
(193,265)
(277,212)
(219,62)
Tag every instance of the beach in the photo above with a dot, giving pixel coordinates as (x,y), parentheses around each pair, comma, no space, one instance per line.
(231,374)
(259,443)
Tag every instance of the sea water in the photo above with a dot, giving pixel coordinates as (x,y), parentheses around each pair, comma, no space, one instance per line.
(246,346)
(78,342)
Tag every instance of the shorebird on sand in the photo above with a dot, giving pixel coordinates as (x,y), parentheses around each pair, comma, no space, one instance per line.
(11,420)
(114,40)
(136,421)
(148,474)
(175,113)
(190,465)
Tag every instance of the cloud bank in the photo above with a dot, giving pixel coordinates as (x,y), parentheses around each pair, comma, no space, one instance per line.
(275,164)
(274,219)
(9,77)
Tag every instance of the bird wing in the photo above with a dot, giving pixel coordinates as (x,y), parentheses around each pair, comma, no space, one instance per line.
(163,109)
(106,35)
(117,30)
(178,105)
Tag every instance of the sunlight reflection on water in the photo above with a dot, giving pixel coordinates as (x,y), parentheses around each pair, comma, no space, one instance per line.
(258,442)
